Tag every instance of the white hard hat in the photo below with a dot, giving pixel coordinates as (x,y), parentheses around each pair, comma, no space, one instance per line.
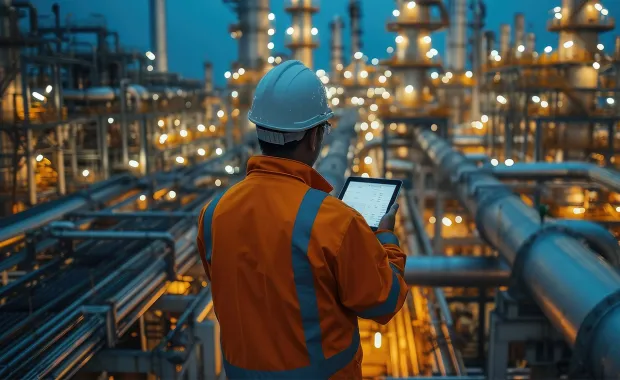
(289,100)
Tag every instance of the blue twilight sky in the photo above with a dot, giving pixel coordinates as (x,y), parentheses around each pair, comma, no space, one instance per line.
(198,29)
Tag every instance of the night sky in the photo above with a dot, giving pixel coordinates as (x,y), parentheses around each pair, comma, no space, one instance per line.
(198,29)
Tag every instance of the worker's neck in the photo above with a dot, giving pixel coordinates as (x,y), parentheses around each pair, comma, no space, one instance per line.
(297,157)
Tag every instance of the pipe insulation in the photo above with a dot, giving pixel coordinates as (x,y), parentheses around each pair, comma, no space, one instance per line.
(574,288)
(441,271)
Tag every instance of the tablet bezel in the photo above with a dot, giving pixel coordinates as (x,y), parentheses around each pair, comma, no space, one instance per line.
(383,181)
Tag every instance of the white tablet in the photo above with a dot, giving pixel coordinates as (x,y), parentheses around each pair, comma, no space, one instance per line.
(371,197)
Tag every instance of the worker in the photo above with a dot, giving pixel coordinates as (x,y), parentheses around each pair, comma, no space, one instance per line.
(291,268)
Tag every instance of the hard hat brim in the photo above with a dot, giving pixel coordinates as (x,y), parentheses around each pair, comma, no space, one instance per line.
(298,126)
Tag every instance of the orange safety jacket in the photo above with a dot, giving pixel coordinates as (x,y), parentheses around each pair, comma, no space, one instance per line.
(291,269)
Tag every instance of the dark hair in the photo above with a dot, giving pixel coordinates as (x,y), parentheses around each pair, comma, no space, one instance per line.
(276,150)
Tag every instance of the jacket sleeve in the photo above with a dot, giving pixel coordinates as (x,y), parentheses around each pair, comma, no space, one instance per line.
(200,243)
(369,271)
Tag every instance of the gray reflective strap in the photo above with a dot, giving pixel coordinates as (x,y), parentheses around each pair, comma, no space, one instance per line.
(278,138)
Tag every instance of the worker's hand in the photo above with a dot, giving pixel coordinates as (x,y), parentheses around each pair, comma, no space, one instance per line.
(389,219)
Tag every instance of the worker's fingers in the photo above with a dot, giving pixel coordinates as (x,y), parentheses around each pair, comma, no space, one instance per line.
(393,209)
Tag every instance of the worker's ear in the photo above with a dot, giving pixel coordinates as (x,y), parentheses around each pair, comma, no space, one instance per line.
(315,139)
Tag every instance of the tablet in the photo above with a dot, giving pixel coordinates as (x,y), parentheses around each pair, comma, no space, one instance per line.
(371,197)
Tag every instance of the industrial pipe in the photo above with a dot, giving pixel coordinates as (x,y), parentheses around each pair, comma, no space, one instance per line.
(459,271)
(576,290)
(335,164)
(596,236)
(555,170)
(32,14)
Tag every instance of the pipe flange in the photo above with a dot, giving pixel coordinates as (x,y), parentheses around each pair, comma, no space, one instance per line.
(581,350)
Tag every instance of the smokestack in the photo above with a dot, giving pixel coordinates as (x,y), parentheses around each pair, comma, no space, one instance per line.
(254,24)
(208,77)
(336,49)
(458,31)
(159,39)
(530,44)
(519,31)
(504,40)
(355,12)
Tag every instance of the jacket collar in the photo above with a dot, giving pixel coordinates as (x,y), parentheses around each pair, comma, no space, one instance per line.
(290,168)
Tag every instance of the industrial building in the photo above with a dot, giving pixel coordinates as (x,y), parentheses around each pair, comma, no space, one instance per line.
(510,210)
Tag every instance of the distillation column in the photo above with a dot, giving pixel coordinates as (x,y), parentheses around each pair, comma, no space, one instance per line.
(579,26)
(413,57)
(302,38)
(355,14)
(456,54)
(337,49)
(159,39)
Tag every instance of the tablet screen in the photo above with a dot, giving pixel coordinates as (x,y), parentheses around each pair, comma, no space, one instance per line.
(369,199)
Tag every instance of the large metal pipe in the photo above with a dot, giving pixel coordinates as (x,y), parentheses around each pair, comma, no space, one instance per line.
(33,17)
(576,290)
(552,170)
(335,164)
(159,38)
(440,271)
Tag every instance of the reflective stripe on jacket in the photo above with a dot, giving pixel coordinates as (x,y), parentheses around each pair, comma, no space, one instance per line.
(291,269)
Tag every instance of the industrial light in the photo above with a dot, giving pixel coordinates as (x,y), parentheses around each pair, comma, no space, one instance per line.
(290,31)
(610,101)
(604,12)
(39,158)
(390,50)
(183,133)
(458,219)
(278,60)
(557,9)
(134,163)
(340,91)
(149,68)
(427,39)
(201,128)
(396,12)
(335,101)
(596,65)
(227,74)
(320,73)
(477,124)
(368,136)
(235,76)
(432,220)
(150,55)
(509,162)
(434,75)
(399,39)
(38,96)
(211,128)
(536,99)
(201,152)
(163,138)
(388,73)
(494,162)
(180,160)
(494,53)
(218,183)
(110,120)
(484,118)
(411,5)
(375,125)
(339,67)
(521,48)
(229,169)
(498,58)
(49,88)
(579,210)
(364,126)
(434,127)
(360,101)
(314,31)
(271,31)
(365,175)
(385,95)
(172,194)
(348,74)
(177,122)
(409,89)
(548,49)
(600,47)
(241,71)
(358,55)
(568,44)
(618,209)
(375,61)
(219,151)
(271,16)
(446,221)
(270,46)
(445,79)
(234,94)
(449,75)
(429,54)
(142,197)
(544,104)
(558,16)
(325,79)
(501,99)
(364,74)
(155,96)
(85,173)
(220,114)
(382,79)
(469,74)
(368,160)
(374,107)
(271,60)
